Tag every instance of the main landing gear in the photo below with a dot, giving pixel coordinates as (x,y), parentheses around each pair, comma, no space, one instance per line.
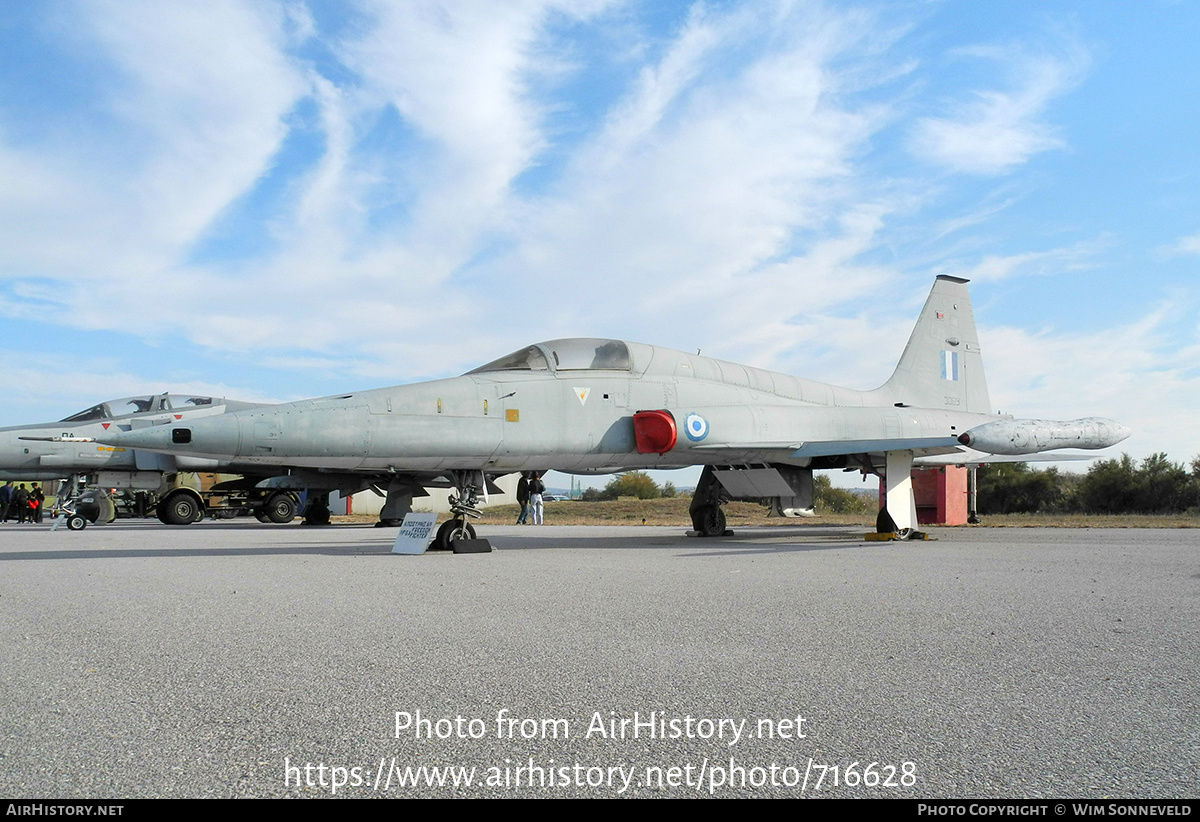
(708,518)
(316,512)
(897,518)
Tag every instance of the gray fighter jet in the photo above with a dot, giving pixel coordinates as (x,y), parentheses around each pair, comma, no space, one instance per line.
(601,406)
(55,450)
(68,448)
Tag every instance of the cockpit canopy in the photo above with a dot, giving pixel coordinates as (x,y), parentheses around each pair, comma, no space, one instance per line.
(127,406)
(573,354)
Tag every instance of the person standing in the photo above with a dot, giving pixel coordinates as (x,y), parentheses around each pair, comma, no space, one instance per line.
(36,500)
(536,489)
(523,498)
(20,502)
(6,495)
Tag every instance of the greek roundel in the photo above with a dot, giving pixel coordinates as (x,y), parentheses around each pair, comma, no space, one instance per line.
(695,427)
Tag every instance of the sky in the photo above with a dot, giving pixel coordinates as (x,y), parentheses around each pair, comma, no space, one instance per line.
(276,200)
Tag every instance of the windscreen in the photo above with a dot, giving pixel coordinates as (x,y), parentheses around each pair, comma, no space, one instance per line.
(527,359)
(123,407)
(572,354)
(589,354)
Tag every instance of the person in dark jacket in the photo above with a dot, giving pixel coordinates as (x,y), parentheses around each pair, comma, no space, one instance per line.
(6,495)
(20,502)
(523,498)
(37,500)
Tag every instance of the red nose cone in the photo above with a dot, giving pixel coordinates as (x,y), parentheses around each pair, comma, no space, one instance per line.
(654,431)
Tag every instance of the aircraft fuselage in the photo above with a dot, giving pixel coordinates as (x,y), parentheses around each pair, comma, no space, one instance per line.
(573,420)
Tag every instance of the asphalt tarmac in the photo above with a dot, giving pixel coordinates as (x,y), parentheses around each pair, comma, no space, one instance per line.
(233,659)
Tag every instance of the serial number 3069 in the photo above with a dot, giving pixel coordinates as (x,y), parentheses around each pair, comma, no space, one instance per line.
(874,774)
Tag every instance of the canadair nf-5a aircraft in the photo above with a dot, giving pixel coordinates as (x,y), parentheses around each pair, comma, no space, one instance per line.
(602,406)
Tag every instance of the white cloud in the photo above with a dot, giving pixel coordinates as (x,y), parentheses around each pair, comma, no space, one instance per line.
(459,74)
(1188,245)
(693,195)
(205,88)
(996,129)
(993,267)
(187,113)
(1142,373)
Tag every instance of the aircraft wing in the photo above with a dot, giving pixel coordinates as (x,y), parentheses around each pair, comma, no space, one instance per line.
(789,445)
(834,448)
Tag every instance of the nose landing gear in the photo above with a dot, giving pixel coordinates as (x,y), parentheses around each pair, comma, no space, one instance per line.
(468,487)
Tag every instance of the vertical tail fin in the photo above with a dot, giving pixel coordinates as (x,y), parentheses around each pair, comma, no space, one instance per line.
(941,366)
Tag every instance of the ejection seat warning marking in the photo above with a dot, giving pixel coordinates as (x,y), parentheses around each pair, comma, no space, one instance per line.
(582,393)
(414,534)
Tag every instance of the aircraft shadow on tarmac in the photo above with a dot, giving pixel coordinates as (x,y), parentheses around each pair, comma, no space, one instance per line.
(743,542)
(749,540)
(134,553)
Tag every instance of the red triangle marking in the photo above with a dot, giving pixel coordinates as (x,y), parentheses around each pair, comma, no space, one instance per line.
(179,416)
(106,424)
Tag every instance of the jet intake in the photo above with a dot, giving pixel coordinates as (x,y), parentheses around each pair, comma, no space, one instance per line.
(1014,437)
(654,432)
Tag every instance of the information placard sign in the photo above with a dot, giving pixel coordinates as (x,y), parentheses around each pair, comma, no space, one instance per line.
(414,534)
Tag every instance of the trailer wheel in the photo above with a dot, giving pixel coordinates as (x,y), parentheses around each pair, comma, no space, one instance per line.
(76,522)
(180,508)
(280,507)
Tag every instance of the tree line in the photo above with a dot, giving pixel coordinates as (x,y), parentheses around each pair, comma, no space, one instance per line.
(1155,485)
(1114,486)
(630,484)
(826,498)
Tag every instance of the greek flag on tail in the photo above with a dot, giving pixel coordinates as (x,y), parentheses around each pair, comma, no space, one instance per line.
(950,365)
(941,366)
